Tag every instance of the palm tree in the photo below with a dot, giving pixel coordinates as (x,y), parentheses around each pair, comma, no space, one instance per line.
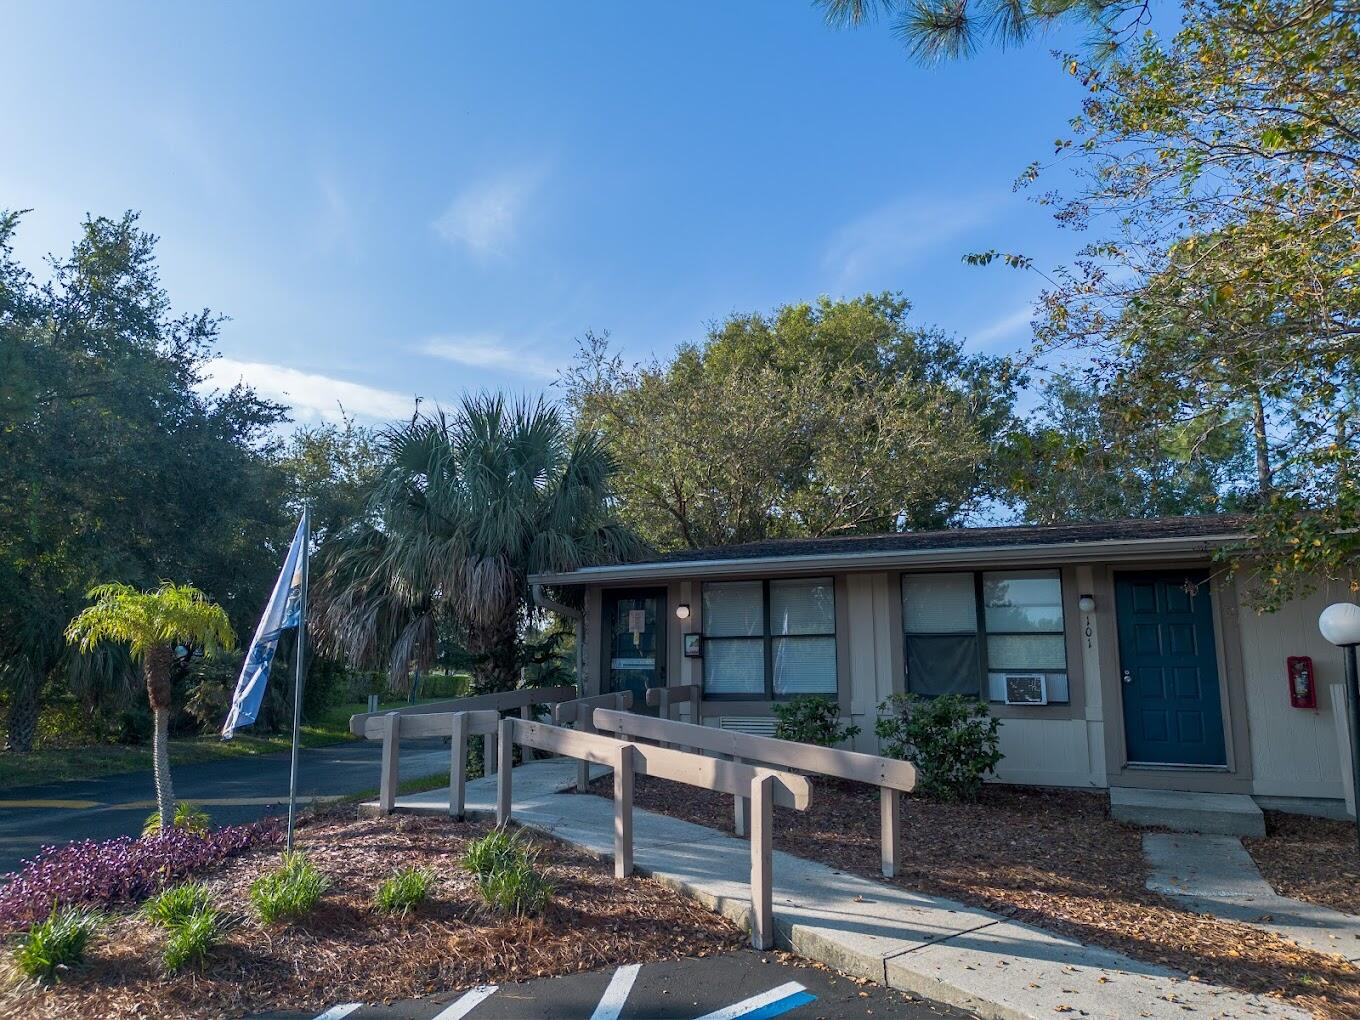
(153,624)
(468,506)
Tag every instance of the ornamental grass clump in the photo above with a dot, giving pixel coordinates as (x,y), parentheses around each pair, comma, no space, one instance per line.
(117,871)
(191,938)
(507,873)
(290,891)
(56,944)
(175,905)
(407,889)
(188,816)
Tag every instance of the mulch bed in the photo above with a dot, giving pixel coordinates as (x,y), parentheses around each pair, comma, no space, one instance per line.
(346,951)
(1313,859)
(1051,858)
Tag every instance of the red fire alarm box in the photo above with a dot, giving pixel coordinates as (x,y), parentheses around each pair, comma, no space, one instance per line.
(1302,689)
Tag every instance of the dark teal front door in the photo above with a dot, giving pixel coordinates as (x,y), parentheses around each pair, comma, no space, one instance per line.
(1173,714)
(635,643)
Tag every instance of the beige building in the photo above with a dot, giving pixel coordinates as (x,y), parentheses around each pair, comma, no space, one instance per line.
(1117,654)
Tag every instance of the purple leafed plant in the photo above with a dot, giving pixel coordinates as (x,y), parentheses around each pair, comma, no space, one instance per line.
(122,870)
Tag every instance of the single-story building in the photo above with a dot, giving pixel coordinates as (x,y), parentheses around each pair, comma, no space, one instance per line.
(1117,654)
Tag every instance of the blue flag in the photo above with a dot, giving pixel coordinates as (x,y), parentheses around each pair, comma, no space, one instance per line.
(282,613)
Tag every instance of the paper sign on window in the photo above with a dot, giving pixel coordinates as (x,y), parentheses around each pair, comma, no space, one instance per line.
(637,621)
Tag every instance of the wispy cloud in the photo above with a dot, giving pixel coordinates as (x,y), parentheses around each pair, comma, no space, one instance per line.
(484,218)
(1005,327)
(335,225)
(312,397)
(894,235)
(485,351)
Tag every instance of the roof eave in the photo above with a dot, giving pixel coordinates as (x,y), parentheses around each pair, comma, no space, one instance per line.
(1181,547)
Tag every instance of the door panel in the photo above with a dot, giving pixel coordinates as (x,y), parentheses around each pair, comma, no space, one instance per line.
(635,643)
(1173,712)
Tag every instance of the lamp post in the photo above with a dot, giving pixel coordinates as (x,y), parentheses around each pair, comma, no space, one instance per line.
(1340,624)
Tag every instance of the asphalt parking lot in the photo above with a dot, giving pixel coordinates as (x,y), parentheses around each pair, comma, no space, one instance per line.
(737,986)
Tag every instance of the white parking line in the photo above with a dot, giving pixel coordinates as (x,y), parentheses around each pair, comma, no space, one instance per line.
(748,1006)
(466,1002)
(336,1012)
(611,1003)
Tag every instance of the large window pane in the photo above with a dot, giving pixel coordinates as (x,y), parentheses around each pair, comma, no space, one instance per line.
(943,664)
(803,607)
(734,609)
(1023,652)
(804,665)
(734,666)
(1023,602)
(939,604)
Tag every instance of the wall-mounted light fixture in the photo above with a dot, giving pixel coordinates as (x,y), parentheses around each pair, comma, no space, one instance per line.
(682,611)
(1087,603)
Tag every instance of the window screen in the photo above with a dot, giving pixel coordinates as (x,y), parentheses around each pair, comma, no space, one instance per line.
(788,651)
(939,613)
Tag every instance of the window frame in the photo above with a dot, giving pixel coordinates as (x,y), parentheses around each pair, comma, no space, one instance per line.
(981,633)
(768,637)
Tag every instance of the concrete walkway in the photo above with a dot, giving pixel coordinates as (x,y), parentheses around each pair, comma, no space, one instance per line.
(933,947)
(1215,875)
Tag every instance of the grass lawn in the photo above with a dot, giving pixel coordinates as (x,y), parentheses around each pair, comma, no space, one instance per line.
(55,764)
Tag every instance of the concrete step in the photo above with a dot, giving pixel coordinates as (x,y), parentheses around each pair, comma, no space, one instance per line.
(1223,814)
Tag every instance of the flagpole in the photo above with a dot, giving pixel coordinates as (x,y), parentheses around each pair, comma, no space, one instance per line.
(299,672)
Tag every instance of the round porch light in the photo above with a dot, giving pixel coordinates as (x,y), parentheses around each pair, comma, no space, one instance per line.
(682,611)
(1087,603)
(1340,624)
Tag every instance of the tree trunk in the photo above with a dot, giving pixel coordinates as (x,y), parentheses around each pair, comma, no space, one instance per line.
(22,724)
(157,665)
(160,753)
(1264,482)
(497,666)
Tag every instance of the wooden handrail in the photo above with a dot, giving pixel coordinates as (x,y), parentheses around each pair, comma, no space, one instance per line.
(765,788)
(890,775)
(501,701)
(582,712)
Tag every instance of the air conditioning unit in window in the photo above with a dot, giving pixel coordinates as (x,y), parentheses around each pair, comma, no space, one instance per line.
(1026,689)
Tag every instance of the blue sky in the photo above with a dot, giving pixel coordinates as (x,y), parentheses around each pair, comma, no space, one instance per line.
(424,199)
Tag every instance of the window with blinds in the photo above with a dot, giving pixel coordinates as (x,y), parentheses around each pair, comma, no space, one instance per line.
(766,639)
(964,632)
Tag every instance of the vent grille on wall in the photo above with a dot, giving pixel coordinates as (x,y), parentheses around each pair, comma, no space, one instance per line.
(1026,689)
(755,725)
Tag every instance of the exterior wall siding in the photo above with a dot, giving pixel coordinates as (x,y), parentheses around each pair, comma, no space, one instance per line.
(1278,750)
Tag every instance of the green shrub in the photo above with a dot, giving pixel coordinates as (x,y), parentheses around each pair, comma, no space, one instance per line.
(188,816)
(55,944)
(407,889)
(191,939)
(507,874)
(175,905)
(496,849)
(811,719)
(290,891)
(952,741)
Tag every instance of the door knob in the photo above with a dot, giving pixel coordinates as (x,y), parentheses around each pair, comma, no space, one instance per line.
(1128,677)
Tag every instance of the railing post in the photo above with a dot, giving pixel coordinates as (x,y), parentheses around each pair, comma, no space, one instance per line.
(890,822)
(503,780)
(741,820)
(585,722)
(458,765)
(762,893)
(391,763)
(490,754)
(623,812)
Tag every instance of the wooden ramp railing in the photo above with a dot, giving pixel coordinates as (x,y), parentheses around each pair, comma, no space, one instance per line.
(892,777)
(436,719)
(582,712)
(764,787)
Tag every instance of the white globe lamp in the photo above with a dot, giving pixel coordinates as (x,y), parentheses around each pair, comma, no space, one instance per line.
(1340,624)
